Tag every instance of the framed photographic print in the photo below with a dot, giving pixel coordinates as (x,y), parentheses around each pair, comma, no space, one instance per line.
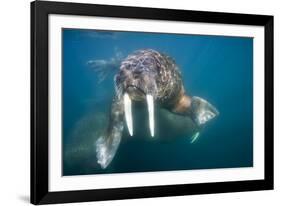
(133,102)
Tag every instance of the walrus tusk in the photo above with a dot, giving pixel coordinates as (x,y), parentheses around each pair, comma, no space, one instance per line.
(128,113)
(150,104)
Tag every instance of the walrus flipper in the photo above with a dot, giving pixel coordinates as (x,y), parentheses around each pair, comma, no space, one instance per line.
(107,145)
(194,137)
(104,67)
(202,111)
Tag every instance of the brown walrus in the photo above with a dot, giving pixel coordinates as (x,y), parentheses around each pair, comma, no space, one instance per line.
(153,78)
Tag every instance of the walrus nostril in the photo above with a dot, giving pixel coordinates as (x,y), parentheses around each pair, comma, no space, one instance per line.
(133,88)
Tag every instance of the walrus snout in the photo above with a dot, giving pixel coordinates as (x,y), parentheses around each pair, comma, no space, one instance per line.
(138,84)
(135,93)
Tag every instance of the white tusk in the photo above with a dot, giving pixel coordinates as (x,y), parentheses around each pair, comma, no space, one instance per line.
(128,113)
(150,104)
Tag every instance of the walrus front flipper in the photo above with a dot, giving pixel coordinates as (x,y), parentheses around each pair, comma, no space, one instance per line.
(202,111)
(103,67)
(194,137)
(107,145)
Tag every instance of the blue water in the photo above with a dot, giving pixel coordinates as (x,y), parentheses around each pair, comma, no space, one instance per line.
(216,68)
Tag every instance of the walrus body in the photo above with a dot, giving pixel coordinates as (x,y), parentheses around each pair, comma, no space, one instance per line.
(151,78)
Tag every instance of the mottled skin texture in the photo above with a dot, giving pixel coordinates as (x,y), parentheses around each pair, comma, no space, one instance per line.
(150,72)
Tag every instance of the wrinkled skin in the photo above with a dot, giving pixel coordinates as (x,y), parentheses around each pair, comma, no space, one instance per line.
(149,72)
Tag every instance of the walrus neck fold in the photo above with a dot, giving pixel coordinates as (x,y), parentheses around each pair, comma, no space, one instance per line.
(182,105)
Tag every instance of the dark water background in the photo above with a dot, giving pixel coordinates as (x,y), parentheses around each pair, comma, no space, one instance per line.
(216,68)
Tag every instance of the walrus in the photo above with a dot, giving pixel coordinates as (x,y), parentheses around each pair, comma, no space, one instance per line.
(152,79)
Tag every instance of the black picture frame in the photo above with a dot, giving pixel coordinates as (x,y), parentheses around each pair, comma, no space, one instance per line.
(39,102)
